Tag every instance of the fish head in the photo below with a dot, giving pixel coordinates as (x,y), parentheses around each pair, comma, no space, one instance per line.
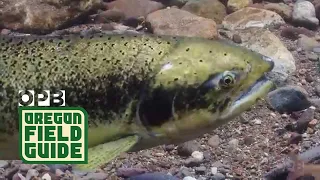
(201,85)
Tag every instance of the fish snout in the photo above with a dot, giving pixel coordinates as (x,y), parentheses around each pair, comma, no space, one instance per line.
(269,61)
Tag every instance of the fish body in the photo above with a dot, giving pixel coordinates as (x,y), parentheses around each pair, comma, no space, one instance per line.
(161,90)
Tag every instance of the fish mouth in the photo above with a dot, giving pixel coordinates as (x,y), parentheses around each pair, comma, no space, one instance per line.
(255,92)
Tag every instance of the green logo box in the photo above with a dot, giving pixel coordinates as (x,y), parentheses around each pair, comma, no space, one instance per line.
(53,135)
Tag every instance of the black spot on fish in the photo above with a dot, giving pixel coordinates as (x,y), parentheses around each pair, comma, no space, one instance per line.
(187,49)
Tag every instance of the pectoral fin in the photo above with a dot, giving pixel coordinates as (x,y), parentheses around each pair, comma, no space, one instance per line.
(103,153)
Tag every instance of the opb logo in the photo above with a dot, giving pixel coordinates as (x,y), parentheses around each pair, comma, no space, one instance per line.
(43,98)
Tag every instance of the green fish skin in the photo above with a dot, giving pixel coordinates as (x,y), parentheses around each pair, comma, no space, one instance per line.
(161,90)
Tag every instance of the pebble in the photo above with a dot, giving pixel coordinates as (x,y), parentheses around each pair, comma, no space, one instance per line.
(198,155)
(313,123)
(233,144)
(218,176)
(95,176)
(257,121)
(289,99)
(214,170)
(200,170)
(191,162)
(307,43)
(153,176)
(187,148)
(214,141)
(4,164)
(304,14)
(295,138)
(127,172)
(46,177)
(189,178)
(313,57)
(303,121)
(32,173)
(169,147)
(54,167)
(248,140)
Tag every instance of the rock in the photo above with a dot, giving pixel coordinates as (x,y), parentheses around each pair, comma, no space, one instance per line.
(288,99)
(198,155)
(248,140)
(266,43)
(304,14)
(46,177)
(295,138)
(284,10)
(59,173)
(184,171)
(25,167)
(43,16)
(236,38)
(54,167)
(178,22)
(235,5)
(127,172)
(313,57)
(200,170)
(187,148)
(233,144)
(95,176)
(307,43)
(191,162)
(293,33)
(218,176)
(214,141)
(135,8)
(41,168)
(11,171)
(211,9)
(189,178)
(32,173)
(257,121)
(18,176)
(251,17)
(4,164)
(317,8)
(302,123)
(214,170)
(169,147)
(313,123)
(153,176)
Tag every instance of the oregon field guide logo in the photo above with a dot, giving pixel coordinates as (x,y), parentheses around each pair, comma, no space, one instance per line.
(51,135)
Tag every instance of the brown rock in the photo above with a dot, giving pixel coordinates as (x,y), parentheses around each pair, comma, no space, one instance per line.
(235,5)
(313,123)
(212,9)
(282,9)
(295,138)
(294,32)
(135,8)
(41,16)
(251,17)
(178,22)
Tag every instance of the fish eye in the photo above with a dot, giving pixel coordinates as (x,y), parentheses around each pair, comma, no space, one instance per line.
(227,80)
